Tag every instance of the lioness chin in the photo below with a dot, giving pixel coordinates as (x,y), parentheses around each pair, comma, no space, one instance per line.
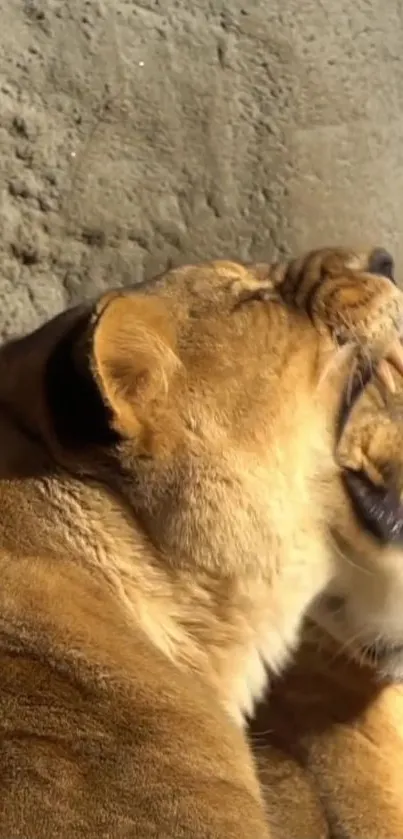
(173,503)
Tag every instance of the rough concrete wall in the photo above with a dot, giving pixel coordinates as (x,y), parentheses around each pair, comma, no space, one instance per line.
(138,133)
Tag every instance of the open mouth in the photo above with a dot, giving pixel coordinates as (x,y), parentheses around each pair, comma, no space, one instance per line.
(379,508)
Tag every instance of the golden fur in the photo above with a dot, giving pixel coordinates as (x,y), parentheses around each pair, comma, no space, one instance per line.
(172,506)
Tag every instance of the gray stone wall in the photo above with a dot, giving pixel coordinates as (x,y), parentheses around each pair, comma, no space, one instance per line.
(140,133)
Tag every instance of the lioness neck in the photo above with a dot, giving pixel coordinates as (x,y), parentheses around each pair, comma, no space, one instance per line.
(226,631)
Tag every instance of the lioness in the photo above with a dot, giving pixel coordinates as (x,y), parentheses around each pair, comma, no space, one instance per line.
(171,507)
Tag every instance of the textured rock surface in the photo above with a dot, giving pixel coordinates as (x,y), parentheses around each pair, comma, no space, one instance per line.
(138,133)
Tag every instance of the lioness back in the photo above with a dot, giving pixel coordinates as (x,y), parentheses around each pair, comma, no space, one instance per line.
(170,491)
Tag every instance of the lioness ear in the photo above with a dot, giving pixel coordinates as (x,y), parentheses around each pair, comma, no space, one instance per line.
(133,356)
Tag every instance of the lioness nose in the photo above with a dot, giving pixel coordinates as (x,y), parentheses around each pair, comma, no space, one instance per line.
(381,262)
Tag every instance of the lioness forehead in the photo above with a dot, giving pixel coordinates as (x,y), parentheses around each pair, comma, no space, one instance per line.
(209,278)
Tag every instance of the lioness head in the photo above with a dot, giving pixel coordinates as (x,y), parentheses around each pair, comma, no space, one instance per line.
(193,428)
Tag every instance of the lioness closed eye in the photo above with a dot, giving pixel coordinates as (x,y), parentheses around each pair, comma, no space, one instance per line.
(169,472)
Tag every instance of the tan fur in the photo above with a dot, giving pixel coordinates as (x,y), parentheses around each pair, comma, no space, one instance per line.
(169,494)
